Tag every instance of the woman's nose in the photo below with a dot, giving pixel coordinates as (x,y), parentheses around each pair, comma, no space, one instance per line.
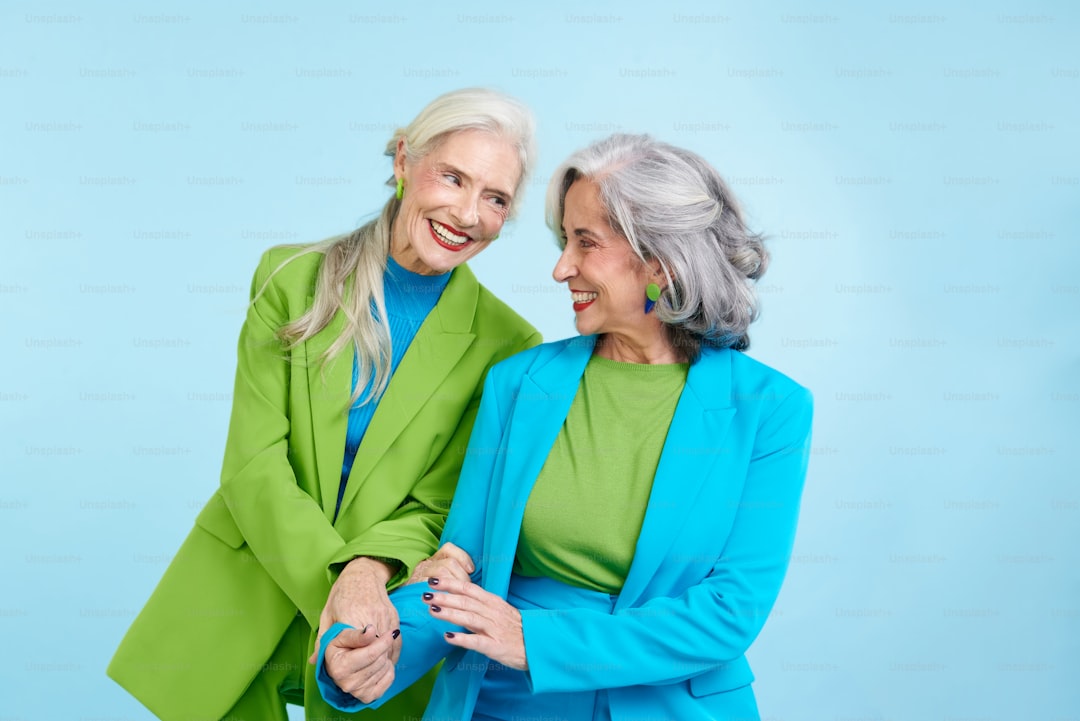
(467,212)
(565,268)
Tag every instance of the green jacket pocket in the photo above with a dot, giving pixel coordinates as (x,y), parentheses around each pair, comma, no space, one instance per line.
(218,521)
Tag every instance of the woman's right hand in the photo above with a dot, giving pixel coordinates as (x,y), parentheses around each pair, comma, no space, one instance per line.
(358,598)
(448,562)
(360,662)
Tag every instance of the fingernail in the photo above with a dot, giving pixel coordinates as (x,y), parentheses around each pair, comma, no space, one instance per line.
(435,609)
(449,634)
(397,632)
(428,596)
(433,582)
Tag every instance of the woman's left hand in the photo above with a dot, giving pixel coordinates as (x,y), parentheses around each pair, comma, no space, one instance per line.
(494,625)
(449,560)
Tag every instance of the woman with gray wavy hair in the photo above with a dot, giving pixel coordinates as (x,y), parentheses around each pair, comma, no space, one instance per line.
(673,208)
(629,497)
(358,380)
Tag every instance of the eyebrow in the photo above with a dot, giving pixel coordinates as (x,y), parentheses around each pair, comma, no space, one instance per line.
(579,232)
(458,171)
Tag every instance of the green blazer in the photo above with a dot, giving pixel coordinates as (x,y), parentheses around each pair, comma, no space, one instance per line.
(265,547)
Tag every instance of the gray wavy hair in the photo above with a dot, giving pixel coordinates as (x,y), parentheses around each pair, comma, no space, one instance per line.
(358,259)
(672,206)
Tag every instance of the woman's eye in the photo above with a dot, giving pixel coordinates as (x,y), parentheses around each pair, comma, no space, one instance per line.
(453,178)
(499,201)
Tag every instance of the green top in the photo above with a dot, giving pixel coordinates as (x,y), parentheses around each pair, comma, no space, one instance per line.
(585,511)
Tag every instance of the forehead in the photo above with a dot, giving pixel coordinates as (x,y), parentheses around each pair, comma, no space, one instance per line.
(583,208)
(487,158)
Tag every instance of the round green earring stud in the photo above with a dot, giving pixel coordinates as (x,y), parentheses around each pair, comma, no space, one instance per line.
(652,294)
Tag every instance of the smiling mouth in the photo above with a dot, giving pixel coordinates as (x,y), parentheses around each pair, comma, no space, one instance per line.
(582,299)
(447,237)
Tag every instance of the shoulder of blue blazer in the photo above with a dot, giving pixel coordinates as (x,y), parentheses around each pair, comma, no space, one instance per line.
(761,387)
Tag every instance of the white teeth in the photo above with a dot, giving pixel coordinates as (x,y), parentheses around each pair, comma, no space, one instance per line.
(583,297)
(445,234)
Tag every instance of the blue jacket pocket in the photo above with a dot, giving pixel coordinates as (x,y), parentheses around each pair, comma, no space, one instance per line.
(727,677)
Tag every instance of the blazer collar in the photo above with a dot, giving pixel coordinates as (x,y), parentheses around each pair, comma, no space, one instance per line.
(697,445)
(709,379)
(440,342)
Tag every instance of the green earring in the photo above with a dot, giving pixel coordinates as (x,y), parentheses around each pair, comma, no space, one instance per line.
(400,188)
(495,237)
(652,294)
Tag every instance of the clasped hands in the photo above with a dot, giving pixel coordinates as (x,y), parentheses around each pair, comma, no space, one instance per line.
(361,660)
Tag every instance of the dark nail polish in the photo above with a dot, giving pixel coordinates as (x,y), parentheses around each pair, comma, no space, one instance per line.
(428,595)
(397,632)
(449,634)
(433,582)
(435,609)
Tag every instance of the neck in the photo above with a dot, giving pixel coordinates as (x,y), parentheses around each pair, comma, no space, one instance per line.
(404,255)
(653,351)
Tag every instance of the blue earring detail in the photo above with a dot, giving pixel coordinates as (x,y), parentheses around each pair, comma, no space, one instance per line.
(652,294)
(400,193)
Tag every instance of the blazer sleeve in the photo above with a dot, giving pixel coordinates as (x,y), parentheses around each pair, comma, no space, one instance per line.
(412,533)
(422,644)
(284,527)
(667,640)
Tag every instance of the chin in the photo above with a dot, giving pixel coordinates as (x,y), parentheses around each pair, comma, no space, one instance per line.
(443,264)
(585,329)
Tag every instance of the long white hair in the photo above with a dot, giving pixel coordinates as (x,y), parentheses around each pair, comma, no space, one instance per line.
(351,275)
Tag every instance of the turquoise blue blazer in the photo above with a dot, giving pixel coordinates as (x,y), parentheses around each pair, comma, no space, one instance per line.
(709,562)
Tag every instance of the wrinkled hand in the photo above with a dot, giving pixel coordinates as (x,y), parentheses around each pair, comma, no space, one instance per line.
(448,562)
(494,625)
(360,663)
(358,598)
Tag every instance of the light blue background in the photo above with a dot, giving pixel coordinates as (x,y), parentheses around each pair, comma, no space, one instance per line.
(916,166)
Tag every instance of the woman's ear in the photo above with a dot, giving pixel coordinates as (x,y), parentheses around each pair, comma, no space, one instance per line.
(399,159)
(658,274)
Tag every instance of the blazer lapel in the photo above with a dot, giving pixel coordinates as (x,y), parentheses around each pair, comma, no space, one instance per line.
(329,388)
(542,404)
(439,344)
(695,441)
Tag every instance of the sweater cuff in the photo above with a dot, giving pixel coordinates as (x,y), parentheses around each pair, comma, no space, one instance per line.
(329,690)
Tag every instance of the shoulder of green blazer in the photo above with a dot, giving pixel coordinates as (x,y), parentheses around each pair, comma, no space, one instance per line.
(266,543)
